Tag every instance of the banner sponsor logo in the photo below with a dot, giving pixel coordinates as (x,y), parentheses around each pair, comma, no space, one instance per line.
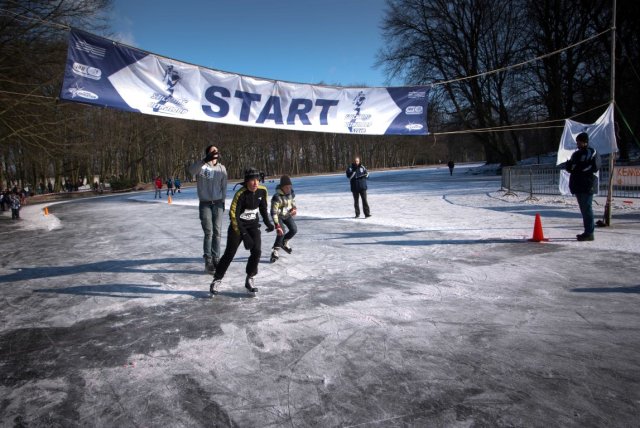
(129,79)
(86,71)
(417,94)
(414,110)
(166,102)
(79,92)
(92,50)
(627,175)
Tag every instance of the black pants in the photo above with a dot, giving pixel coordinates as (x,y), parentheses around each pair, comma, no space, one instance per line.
(233,242)
(365,206)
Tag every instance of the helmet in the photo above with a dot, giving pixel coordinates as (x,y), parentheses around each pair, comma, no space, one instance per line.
(250,173)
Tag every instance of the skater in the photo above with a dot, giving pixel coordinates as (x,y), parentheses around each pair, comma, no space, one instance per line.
(158,187)
(358,175)
(244,227)
(178,184)
(450,164)
(14,201)
(212,193)
(170,186)
(583,182)
(283,210)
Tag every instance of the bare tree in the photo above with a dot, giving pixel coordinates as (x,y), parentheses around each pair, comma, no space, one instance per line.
(452,41)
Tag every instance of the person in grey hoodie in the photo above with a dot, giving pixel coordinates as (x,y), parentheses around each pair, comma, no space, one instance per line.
(212,192)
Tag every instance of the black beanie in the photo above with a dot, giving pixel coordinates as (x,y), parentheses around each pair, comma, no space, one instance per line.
(285,180)
(583,136)
(250,173)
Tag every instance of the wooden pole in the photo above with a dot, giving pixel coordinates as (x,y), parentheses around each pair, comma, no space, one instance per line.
(612,155)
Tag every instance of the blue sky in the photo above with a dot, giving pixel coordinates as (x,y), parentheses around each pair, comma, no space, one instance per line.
(329,41)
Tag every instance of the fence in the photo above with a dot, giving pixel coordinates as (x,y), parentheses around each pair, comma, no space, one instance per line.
(544,180)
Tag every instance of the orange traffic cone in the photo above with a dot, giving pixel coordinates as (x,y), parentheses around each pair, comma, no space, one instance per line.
(46,210)
(168,199)
(538,235)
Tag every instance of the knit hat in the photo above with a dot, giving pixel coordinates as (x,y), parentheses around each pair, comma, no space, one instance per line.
(583,136)
(285,180)
(250,173)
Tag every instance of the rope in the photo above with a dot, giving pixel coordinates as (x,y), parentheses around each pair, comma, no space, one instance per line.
(509,67)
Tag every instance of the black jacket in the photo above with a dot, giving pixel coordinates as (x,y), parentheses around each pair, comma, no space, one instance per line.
(357,175)
(245,207)
(582,166)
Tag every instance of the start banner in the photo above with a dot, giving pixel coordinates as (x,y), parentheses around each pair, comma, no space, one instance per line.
(103,72)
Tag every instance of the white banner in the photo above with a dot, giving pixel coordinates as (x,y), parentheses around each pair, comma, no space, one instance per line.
(602,136)
(102,72)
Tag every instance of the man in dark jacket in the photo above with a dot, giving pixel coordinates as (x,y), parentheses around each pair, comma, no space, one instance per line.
(357,175)
(583,182)
(244,227)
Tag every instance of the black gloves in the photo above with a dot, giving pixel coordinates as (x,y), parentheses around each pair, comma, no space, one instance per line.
(270,228)
(247,241)
(211,156)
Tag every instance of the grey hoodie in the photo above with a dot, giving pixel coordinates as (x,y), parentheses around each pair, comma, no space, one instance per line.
(212,180)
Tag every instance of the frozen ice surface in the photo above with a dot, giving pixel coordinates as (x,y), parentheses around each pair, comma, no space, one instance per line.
(436,311)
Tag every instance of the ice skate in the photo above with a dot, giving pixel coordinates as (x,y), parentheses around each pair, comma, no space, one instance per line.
(209,265)
(215,286)
(248,284)
(274,255)
(286,247)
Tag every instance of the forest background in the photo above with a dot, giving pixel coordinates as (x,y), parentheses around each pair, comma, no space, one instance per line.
(504,75)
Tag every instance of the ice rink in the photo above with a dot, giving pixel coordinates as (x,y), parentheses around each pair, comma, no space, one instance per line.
(436,311)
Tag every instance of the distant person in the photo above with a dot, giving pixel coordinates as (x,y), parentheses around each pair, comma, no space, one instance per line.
(15,204)
(583,182)
(249,201)
(450,164)
(169,186)
(211,178)
(158,186)
(358,175)
(178,184)
(283,210)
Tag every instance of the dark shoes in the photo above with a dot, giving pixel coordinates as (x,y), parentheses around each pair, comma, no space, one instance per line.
(248,284)
(585,237)
(286,247)
(210,265)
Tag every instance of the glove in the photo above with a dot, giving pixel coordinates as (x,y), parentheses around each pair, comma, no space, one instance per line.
(210,156)
(269,228)
(279,230)
(293,212)
(247,241)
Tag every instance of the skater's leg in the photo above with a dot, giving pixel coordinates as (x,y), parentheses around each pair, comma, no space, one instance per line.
(254,257)
(233,242)
(356,203)
(365,204)
(293,229)
(217,211)
(206,221)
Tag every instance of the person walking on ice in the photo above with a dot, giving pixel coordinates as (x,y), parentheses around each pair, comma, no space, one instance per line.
(158,186)
(249,201)
(451,164)
(283,210)
(211,178)
(358,175)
